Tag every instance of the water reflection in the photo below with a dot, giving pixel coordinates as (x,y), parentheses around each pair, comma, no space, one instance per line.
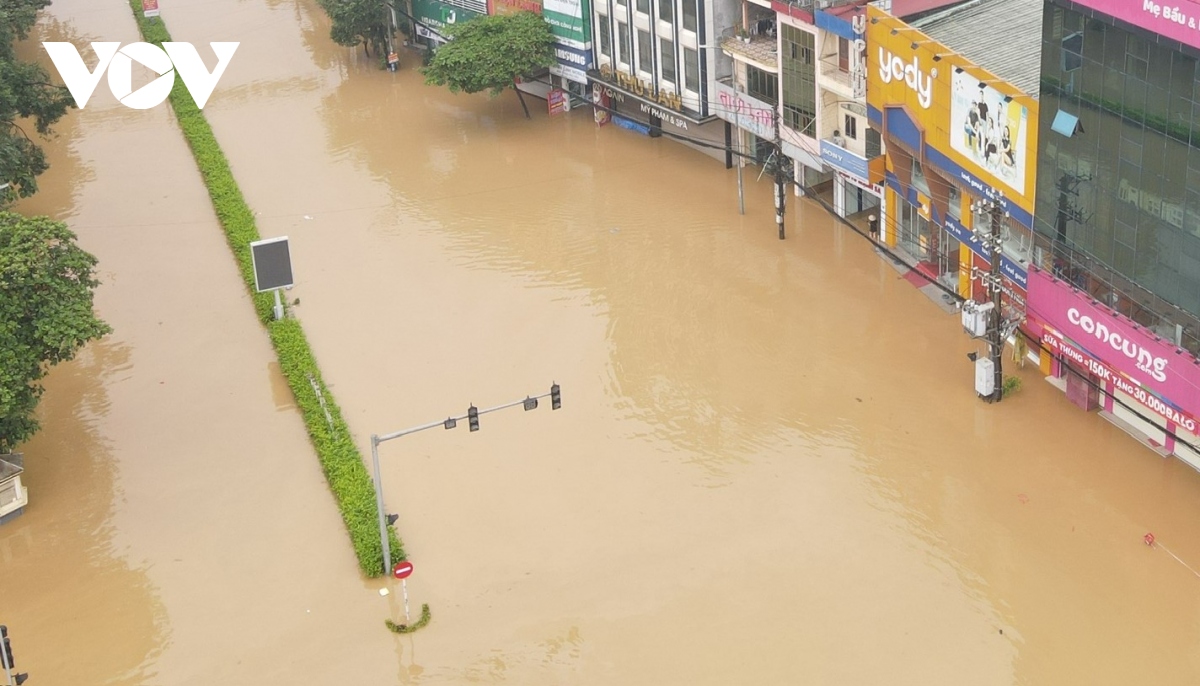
(75,607)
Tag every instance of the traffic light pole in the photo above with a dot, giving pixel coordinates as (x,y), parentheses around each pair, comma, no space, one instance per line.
(472,415)
(5,658)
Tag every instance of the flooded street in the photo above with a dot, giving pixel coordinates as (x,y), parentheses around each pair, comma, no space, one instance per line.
(770,466)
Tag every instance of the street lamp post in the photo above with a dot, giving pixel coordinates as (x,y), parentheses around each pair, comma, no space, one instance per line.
(472,416)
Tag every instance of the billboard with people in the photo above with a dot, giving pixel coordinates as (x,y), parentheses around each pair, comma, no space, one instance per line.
(952,114)
(990,129)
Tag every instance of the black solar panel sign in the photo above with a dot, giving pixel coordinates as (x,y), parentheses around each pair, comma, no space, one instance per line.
(272,264)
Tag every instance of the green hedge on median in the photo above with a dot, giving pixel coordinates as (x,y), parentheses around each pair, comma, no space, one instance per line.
(340,458)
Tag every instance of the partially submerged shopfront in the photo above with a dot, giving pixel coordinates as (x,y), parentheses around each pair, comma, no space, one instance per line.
(953,134)
(1110,364)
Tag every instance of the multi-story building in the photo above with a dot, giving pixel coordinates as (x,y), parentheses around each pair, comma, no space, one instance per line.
(847,140)
(657,64)
(1115,290)
(954,99)
(823,50)
(749,97)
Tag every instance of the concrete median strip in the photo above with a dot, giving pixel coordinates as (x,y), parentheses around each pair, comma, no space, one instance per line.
(340,459)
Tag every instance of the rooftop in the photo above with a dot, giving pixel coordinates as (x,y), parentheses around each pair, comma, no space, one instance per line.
(1001,36)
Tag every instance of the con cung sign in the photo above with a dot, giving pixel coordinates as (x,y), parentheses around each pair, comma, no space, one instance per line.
(164,61)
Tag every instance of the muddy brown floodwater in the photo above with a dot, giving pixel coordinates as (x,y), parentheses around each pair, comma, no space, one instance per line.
(770,466)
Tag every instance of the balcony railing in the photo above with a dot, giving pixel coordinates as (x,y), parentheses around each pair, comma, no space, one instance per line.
(759,45)
(830,70)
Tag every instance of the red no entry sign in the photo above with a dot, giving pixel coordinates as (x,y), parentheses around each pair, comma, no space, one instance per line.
(401,570)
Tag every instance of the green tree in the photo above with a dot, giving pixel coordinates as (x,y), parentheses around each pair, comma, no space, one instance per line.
(46,287)
(489,53)
(26,96)
(359,22)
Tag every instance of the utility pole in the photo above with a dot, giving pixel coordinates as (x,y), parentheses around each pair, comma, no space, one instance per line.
(389,35)
(741,163)
(993,282)
(780,189)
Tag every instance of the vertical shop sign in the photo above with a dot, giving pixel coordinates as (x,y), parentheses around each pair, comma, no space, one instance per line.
(556,101)
(603,102)
(569,21)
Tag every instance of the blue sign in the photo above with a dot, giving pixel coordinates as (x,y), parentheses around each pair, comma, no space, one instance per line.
(576,58)
(836,25)
(844,160)
(1008,267)
(631,125)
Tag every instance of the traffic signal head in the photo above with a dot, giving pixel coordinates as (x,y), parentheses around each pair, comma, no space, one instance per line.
(530,404)
(555,397)
(6,655)
(473,418)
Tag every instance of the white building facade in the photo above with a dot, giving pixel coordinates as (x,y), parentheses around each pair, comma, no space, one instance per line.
(656,65)
(847,142)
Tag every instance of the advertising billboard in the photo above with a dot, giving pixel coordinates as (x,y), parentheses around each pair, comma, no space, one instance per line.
(743,110)
(1115,349)
(439,15)
(1178,19)
(990,129)
(514,6)
(923,94)
(570,21)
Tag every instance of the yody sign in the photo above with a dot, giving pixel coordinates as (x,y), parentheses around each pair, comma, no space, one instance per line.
(118,62)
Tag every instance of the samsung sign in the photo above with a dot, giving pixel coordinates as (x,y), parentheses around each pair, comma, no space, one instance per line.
(573,63)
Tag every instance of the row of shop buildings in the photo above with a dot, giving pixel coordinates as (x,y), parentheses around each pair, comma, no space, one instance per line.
(1080,118)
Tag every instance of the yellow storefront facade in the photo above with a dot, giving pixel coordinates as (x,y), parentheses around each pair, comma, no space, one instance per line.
(953,133)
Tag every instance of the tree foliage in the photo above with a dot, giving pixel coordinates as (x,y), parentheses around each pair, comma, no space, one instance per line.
(46,316)
(358,22)
(26,97)
(489,53)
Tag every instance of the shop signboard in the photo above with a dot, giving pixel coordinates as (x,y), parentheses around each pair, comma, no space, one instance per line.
(475,7)
(1176,19)
(743,111)
(573,63)
(1011,270)
(570,21)
(1119,381)
(976,128)
(864,184)
(557,101)
(603,102)
(514,6)
(990,129)
(439,15)
(1161,376)
(844,160)
(641,90)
